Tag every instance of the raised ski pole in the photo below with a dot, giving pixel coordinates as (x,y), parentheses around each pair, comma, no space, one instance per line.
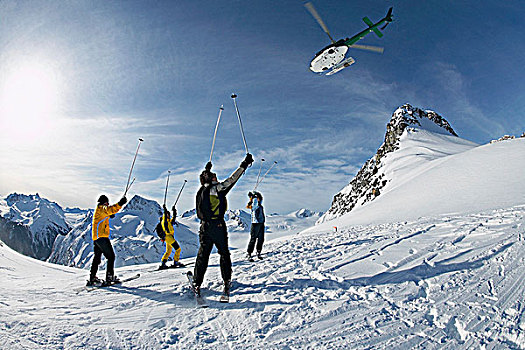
(262,178)
(132,165)
(215,133)
(184,184)
(240,122)
(131,183)
(166,191)
(259,174)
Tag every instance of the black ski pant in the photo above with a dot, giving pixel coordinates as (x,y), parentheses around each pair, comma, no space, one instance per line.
(210,233)
(256,235)
(103,246)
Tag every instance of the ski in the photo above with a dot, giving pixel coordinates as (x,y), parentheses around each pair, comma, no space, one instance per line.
(171,267)
(198,298)
(91,288)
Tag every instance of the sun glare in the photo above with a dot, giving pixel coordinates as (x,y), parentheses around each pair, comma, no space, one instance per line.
(29,100)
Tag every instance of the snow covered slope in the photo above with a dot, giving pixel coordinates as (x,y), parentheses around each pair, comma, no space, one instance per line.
(482,178)
(455,282)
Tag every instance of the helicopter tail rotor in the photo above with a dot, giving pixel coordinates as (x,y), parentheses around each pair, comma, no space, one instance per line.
(310,7)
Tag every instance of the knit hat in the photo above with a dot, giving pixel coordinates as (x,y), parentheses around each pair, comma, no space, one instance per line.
(103,199)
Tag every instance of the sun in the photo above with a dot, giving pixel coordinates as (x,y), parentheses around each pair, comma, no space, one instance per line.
(29,100)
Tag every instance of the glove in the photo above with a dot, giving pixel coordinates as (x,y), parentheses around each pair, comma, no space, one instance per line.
(248,160)
(174,212)
(250,195)
(112,216)
(165,209)
(122,201)
(208,166)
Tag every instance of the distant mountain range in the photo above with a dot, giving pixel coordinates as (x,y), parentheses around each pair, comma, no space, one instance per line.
(42,229)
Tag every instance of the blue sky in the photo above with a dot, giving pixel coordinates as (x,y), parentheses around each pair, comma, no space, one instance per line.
(81,81)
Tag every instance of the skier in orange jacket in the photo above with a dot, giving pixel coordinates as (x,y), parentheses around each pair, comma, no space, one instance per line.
(101,242)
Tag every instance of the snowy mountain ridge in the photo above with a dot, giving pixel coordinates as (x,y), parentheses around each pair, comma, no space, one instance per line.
(45,220)
(413,138)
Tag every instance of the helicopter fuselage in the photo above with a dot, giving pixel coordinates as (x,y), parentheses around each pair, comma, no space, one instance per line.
(329,57)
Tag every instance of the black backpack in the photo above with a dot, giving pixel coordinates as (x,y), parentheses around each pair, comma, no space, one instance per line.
(203,204)
(160,231)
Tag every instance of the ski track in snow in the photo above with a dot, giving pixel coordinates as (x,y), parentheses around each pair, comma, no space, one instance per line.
(452,282)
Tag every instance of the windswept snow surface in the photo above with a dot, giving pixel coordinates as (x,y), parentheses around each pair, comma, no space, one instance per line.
(453,281)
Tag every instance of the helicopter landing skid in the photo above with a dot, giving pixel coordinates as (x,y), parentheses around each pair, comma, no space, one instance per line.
(346,63)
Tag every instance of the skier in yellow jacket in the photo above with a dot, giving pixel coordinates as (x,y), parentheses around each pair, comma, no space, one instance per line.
(101,242)
(166,231)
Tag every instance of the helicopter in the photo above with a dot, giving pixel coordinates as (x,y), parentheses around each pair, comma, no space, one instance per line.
(332,58)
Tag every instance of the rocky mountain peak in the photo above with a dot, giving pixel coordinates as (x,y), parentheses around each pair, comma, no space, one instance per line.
(371,178)
(407,116)
(138,203)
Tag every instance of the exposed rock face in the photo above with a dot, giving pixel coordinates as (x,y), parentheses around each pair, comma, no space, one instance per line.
(370,180)
(404,117)
(44,221)
(16,236)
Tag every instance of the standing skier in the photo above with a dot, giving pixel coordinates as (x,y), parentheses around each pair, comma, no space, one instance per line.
(211,205)
(257,228)
(166,231)
(101,242)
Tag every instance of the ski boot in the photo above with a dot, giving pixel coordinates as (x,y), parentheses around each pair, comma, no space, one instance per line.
(177,264)
(197,289)
(259,255)
(249,257)
(227,287)
(112,279)
(225,297)
(94,281)
(163,266)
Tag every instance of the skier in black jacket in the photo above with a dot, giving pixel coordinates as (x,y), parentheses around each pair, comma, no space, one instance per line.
(211,206)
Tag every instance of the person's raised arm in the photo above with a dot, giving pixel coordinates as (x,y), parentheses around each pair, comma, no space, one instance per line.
(227,184)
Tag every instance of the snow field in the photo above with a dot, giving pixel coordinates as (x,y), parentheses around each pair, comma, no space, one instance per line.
(451,281)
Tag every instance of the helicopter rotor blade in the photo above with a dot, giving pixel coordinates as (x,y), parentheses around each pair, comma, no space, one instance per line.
(310,7)
(368,48)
